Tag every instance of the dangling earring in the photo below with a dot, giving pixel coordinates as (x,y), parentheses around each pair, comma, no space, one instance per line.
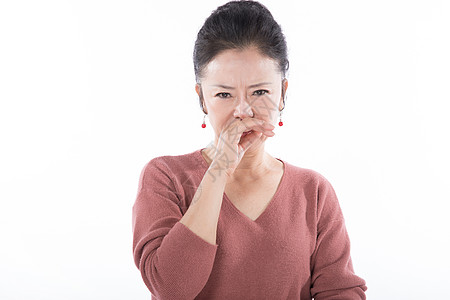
(281,111)
(204,125)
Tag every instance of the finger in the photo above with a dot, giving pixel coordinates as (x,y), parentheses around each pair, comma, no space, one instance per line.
(250,139)
(236,127)
(256,125)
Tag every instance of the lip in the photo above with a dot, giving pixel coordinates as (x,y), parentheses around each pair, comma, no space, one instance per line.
(247,132)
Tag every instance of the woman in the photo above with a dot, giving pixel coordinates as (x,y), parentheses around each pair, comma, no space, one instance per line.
(230,221)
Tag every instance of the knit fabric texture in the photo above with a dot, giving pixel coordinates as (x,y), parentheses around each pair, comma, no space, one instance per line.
(298,248)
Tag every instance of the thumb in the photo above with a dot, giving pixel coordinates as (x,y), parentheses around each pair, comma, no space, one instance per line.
(250,139)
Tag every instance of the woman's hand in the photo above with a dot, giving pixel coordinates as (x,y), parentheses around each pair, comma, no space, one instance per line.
(232,144)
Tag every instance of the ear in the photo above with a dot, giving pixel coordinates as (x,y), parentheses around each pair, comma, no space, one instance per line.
(198,90)
(284,86)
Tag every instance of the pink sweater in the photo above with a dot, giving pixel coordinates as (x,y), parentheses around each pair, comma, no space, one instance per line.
(298,248)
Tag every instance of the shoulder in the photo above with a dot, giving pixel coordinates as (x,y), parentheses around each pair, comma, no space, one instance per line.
(173,164)
(306,176)
(171,170)
(316,189)
(310,183)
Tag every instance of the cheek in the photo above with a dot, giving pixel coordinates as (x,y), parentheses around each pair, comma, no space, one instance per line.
(267,106)
(218,122)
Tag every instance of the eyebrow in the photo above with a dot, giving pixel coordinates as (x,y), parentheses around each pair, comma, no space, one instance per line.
(251,86)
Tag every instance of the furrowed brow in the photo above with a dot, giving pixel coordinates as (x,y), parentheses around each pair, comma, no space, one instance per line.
(232,88)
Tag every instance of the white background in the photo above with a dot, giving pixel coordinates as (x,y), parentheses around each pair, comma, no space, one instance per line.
(92,90)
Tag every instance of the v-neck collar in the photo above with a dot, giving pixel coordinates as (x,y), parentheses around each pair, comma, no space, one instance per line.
(272,202)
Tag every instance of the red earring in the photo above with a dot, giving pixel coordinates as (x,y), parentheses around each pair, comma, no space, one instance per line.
(204,125)
(280,123)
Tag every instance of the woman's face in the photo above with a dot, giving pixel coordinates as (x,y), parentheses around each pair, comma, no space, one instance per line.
(241,84)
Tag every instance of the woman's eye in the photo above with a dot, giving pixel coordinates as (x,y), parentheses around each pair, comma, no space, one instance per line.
(218,95)
(260,94)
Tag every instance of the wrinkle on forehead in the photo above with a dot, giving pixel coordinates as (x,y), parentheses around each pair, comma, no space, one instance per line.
(241,67)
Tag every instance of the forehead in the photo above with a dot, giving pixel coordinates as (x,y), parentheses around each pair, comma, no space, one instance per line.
(245,64)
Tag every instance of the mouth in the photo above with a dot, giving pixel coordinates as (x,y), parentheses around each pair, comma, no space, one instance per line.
(246,132)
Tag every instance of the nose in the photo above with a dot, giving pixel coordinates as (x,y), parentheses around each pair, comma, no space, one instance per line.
(243,109)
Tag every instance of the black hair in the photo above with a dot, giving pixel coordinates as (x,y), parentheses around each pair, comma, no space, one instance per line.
(240,25)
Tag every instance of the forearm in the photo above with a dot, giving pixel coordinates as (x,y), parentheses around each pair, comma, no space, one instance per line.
(203,213)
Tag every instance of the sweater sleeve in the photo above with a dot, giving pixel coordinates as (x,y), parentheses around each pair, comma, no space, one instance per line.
(332,274)
(174,262)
